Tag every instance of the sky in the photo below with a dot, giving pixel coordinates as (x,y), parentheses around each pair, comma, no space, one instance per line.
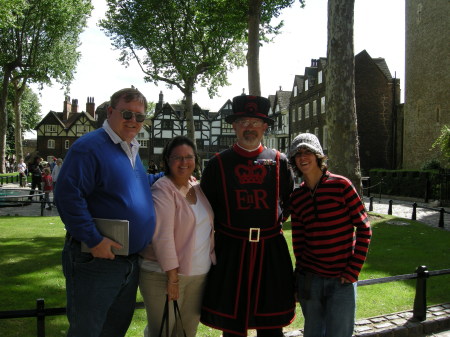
(379,28)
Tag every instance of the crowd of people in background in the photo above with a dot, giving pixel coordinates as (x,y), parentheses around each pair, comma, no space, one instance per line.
(43,174)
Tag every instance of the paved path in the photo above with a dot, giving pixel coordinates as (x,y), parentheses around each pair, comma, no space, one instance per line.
(426,213)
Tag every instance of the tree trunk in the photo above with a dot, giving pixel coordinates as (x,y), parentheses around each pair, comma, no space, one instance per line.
(189,113)
(18,92)
(343,149)
(254,82)
(3,118)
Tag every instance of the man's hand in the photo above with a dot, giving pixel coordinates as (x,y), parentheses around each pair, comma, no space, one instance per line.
(104,249)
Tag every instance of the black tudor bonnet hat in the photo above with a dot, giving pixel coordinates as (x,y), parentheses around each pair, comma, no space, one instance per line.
(250,106)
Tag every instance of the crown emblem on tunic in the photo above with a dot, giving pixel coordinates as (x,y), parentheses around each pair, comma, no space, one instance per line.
(250,174)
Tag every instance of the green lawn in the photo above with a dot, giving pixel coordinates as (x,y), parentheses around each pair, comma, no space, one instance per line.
(30,268)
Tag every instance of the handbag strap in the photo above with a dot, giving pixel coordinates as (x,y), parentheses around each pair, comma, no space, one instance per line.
(165,318)
(177,314)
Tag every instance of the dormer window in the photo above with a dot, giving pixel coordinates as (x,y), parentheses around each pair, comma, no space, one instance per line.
(50,128)
(295,91)
(319,77)
(306,85)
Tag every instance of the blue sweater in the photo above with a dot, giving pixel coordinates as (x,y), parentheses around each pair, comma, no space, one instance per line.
(97,181)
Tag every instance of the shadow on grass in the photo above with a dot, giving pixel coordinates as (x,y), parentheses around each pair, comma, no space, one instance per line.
(33,273)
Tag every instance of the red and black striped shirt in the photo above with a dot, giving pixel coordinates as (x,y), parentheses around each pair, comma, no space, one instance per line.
(330,228)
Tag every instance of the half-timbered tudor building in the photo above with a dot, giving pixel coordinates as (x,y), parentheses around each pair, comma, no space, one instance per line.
(278,134)
(57,131)
(169,120)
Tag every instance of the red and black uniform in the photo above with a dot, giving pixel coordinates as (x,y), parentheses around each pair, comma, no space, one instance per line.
(251,286)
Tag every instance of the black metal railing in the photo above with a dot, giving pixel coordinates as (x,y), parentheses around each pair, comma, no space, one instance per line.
(414,205)
(419,307)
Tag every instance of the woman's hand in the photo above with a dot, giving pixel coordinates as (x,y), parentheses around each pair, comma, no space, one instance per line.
(173,281)
(173,290)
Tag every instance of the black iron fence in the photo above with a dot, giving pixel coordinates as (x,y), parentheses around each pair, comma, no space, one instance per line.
(414,205)
(419,307)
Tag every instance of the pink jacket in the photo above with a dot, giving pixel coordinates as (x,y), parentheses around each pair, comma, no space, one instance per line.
(173,242)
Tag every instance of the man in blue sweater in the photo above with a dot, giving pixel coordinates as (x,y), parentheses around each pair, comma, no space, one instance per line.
(103,177)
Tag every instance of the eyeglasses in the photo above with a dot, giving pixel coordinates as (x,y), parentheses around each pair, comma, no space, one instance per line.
(245,123)
(303,153)
(181,158)
(127,115)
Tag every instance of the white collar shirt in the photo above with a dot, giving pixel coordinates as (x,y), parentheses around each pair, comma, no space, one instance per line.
(130,150)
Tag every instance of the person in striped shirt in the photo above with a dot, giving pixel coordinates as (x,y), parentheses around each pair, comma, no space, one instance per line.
(330,237)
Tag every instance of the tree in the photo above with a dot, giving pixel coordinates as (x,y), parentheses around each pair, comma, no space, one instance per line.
(180,43)
(38,44)
(8,12)
(343,148)
(443,143)
(260,14)
(29,107)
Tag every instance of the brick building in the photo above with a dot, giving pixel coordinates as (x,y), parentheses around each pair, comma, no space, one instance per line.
(377,99)
(427,79)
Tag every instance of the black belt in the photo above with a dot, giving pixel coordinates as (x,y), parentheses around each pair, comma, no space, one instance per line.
(253,234)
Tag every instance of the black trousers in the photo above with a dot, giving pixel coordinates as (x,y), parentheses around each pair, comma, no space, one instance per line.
(261,333)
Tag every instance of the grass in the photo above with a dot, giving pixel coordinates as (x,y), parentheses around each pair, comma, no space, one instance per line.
(30,268)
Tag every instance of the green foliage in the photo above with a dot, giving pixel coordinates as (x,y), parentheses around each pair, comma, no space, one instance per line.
(432,164)
(8,11)
(38,44)
(30,107)
(443,142)
(179,43)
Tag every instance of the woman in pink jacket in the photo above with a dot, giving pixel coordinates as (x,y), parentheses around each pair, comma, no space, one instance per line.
(177,261)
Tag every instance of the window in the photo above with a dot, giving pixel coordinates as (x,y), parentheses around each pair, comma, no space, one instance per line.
(316,132)
(306,110)
(198,125)
(319,77)
(82,129)
(143,143)
(50,128)
(325,138)
(51,144)
(295,91)
(306,85)
(314,107)
(322,104)
(66,144)
(300,113)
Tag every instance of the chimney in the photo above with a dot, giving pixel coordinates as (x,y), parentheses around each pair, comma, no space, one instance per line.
(74,106)
(67,108)
(161,98)
(90,106)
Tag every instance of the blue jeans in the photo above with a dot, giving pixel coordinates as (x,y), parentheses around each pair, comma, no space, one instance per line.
(328,306)
(101,293)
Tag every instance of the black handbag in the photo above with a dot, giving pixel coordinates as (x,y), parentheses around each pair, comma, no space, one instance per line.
(165,319)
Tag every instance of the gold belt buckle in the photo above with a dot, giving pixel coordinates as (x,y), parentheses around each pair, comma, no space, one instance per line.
(252,233)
